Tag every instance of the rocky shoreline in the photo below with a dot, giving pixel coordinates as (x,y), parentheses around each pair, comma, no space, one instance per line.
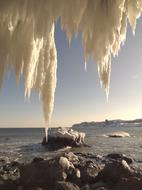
(72,171)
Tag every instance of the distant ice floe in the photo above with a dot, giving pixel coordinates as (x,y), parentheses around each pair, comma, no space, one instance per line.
(117,134)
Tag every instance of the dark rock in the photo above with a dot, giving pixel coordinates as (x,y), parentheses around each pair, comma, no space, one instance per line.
(8,185)
(114,171)
(69,171)
(35,188)
(73,175)
(88,172)
(1,182)
(37,159)
(98,185)
(2,160)
(10,171)
(15,164)
(85,187)
(90,156)
(131,183)
(120,157)
(42,174)
(57,143)
(20,187)
(62,185)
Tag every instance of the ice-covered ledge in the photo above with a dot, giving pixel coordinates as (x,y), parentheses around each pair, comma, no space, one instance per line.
(62,137)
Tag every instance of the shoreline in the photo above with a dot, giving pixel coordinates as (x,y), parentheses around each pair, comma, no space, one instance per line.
(72,171)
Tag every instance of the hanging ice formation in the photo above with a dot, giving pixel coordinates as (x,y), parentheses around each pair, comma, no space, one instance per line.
(27,38)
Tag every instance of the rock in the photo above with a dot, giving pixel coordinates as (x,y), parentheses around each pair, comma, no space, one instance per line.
(62,137)
(15,164)
(88,172)
(118,134)
(34,188)
(10,171)
(1,182)
(42,174)
(20,187)
(132,183)
(65,163)
(85,187)
(72,157)
(37,159)
(69,168)
(120,157)
(114,171)
(62,185)
(8,185)
(89,156)
(97,185)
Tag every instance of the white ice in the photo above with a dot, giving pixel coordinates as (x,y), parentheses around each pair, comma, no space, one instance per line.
(27,40)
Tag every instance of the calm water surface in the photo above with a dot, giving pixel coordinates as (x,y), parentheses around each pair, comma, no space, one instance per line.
(24,144)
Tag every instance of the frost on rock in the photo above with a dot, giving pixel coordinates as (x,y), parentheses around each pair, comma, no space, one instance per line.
(27,38)
(64,137)
(65,163)
(70,134)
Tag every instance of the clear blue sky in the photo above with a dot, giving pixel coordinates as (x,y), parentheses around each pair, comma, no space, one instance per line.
(79,96)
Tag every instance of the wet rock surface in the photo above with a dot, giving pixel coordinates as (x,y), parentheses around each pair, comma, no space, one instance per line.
(119,157)
(62,185)
(70,171)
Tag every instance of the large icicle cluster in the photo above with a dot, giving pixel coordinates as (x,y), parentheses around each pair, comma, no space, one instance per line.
(27,38)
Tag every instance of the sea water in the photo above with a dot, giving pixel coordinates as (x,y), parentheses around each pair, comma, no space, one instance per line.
(24,144)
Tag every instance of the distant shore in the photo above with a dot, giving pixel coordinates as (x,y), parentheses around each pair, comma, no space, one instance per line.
(112,123)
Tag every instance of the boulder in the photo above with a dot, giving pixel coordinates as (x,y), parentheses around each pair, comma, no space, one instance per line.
(118,134)
(115,156)
(85,187)
(132,183)
(42,174)
(62,137)
(96,186)
(62,185)
(88,172)
(114,171)
(8,185)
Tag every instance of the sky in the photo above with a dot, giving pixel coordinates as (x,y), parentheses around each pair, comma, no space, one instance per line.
(79,96)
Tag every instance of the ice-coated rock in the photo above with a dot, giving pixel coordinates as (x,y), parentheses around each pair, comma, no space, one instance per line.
(62,137)
(118,134)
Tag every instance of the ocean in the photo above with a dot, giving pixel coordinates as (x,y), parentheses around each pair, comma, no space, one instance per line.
(24,144)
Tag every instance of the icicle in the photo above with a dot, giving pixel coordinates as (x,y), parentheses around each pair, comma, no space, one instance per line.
(85,66)
(46,134)
(27,38)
